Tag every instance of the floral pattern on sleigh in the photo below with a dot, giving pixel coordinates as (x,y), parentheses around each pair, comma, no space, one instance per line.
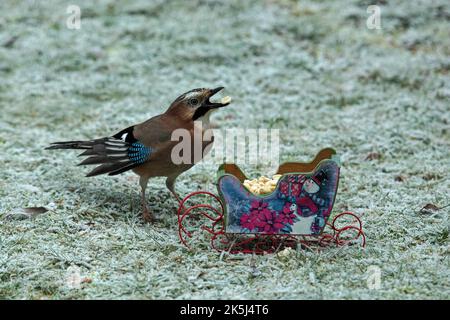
(300,205)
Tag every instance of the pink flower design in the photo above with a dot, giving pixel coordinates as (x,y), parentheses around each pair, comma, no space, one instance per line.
(248,221)
(287,216)
(269,222)
(258,207)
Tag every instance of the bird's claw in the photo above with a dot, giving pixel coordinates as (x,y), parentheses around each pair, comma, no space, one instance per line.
(148,217)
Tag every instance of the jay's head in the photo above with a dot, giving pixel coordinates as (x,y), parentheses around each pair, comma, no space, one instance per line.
(196,104)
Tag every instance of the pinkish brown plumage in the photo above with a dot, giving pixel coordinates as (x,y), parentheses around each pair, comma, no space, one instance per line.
(146,148)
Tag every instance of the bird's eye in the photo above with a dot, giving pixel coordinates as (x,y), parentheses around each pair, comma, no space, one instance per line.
(193,101)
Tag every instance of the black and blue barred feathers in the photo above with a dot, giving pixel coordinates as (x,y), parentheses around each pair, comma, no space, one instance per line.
(138,153)
(114,155)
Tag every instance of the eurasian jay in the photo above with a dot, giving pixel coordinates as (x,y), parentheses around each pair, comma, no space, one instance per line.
(146,148)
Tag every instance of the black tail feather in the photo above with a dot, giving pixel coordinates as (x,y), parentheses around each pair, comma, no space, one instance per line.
(110,168)
(94,160)
(110,153)
(71,145)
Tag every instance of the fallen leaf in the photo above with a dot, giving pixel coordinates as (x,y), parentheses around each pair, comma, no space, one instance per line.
(26,213)
(86,280)
(10,42)
(431,176)
(35,210)
(429,208)
(373,156)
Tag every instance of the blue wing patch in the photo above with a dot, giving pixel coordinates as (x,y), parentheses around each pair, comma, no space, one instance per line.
(139,153)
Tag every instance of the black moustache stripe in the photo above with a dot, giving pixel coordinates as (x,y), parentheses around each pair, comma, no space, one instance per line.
(200,112)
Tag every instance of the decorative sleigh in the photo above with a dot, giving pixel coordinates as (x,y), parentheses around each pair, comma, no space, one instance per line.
(296,212)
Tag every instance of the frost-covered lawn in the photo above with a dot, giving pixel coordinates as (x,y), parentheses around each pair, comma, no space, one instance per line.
(312,70)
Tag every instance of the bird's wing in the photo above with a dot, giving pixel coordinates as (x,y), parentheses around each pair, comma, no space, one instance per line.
(126,149)
(144,141)
(116,154)
(156,131)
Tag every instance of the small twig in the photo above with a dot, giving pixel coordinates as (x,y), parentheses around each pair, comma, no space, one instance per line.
(279,246)
(228,251)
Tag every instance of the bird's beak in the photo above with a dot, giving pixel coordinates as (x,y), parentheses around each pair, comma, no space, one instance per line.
(212,105)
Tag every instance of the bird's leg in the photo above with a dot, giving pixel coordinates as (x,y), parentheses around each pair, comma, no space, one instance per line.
(170,183)
(146,214)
